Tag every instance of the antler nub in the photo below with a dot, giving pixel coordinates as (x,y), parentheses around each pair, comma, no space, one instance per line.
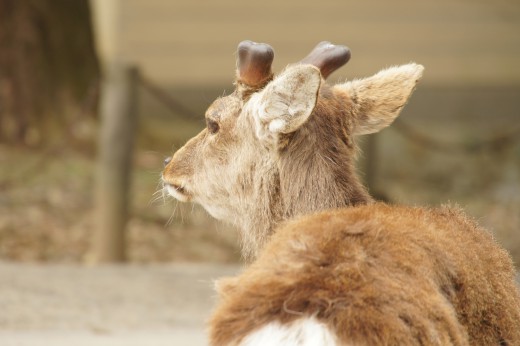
(327,57)
(254,63)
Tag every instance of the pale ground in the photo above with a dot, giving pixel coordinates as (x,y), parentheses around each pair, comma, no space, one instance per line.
(51,304)
(131,305)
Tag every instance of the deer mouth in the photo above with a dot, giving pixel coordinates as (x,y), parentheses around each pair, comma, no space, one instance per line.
(178,192)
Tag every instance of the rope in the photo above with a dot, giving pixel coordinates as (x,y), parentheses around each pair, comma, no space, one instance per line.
(498,142)
(495,143)
(167,100)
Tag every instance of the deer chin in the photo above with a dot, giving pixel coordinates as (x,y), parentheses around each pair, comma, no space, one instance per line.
(178,192)
(215,211)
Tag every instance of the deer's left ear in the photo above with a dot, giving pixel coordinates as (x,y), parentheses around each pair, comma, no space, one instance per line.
(287,102)
(379,99)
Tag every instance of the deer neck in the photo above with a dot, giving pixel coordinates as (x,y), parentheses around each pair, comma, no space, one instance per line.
(317,180)
(308,178)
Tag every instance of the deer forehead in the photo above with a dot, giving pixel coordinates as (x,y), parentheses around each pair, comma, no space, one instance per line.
(224,108)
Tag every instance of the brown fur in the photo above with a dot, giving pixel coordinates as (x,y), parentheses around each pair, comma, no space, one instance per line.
(318,174)
(255,178)
(378,275)
(375,274)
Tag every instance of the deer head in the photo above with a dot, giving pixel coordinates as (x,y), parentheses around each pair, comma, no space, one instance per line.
(279,147)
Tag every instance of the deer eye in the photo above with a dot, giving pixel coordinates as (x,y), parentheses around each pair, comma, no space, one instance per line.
(212,126)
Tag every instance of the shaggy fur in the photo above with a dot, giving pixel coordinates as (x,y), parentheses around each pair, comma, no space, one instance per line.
(286,150)
(378,275)
(371,273)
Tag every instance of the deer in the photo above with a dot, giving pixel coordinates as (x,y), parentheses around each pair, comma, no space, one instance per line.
(327,264)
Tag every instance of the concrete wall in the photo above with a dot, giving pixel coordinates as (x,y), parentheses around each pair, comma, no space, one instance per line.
(186,42)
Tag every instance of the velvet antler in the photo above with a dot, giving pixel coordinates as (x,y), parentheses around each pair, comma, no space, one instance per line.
(254,64)
(327,57)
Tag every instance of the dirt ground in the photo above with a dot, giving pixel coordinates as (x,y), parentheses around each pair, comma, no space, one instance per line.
(42,304)
(131,305)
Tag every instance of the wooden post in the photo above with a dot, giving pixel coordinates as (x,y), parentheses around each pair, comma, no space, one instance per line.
(118,126)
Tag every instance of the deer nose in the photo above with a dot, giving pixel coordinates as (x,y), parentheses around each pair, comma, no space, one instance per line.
(167,161)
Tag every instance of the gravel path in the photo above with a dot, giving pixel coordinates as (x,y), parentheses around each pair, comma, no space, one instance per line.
(106,305)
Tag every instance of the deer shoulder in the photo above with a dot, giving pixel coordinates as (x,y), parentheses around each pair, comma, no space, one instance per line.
(330,266)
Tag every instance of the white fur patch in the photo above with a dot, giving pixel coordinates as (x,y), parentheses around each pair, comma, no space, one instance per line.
(303,332)
(176,194)
(277,125)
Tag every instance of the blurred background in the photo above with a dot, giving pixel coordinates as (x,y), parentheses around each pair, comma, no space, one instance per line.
(94,95)
(457,140)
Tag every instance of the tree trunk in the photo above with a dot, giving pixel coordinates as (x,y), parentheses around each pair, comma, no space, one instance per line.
(48,67)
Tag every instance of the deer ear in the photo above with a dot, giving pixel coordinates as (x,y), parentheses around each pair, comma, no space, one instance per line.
(287,102)
(378,100)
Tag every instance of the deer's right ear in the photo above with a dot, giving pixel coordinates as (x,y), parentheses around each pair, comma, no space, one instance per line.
(287,102)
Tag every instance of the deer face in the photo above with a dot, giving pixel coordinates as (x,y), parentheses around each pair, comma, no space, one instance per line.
(205,170)
(278,147)
(224,164)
